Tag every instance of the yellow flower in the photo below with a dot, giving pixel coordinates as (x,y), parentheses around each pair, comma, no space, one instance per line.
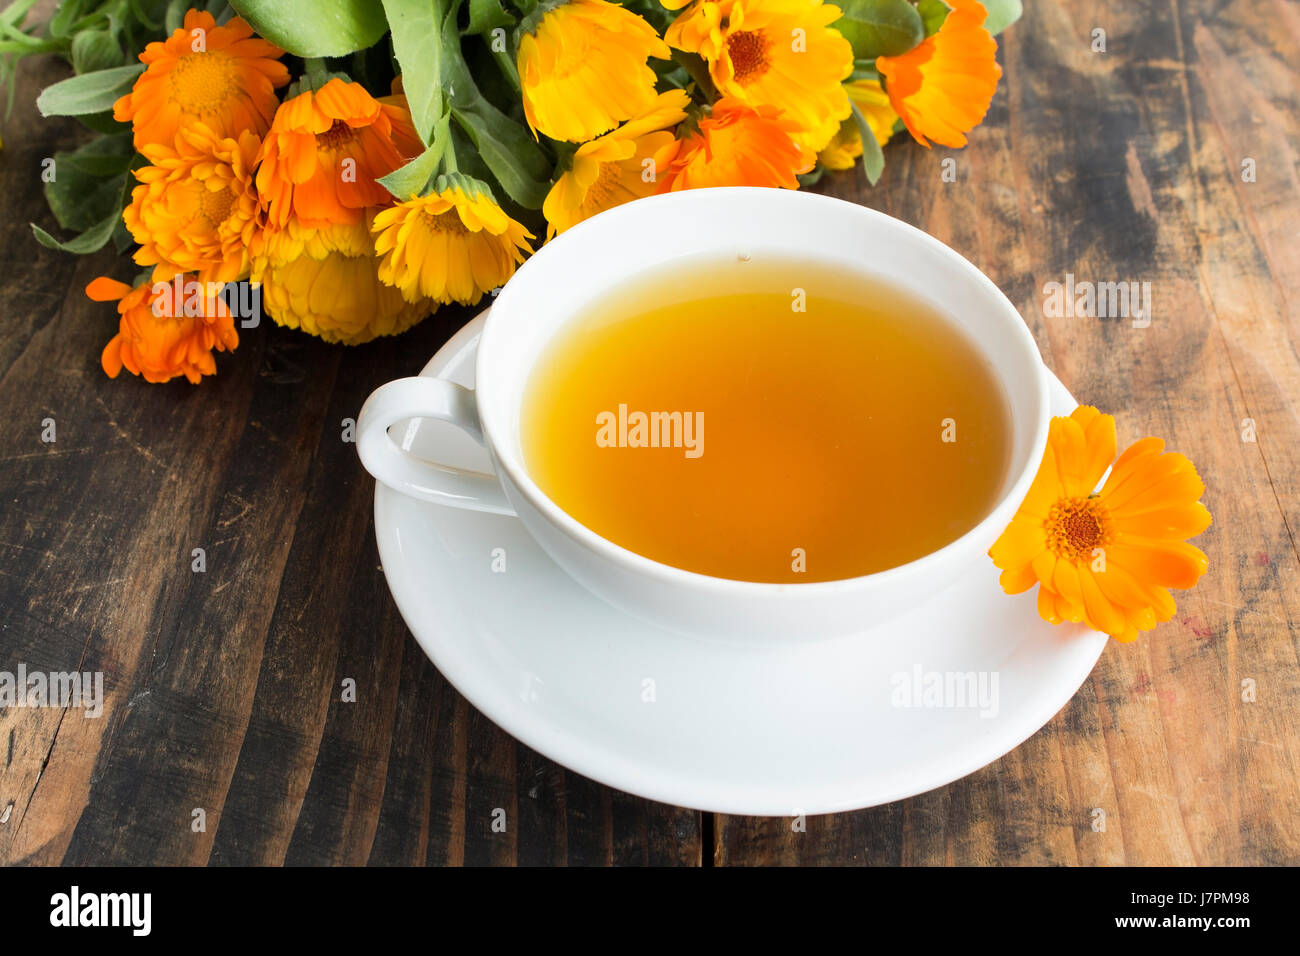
(452,245)
(196,209)
(780,53)
(326,282)
(942,88)
(1108,558)
(873,103)
(843,149)
(583,69)
(613,169)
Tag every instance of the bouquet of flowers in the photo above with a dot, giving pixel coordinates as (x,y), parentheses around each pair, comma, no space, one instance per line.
(347,166)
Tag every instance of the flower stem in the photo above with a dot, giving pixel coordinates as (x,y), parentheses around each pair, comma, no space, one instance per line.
(694,65)
(315,71)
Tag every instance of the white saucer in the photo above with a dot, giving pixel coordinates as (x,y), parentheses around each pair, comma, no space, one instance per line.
(811,727)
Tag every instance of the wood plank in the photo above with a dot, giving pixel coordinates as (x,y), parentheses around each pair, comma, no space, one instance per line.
(224,688)
(1126,166)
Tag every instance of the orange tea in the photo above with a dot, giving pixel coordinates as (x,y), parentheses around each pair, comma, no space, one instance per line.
(774,422)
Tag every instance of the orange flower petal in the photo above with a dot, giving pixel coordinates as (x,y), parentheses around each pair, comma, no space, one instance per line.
(104,289)
(1019,544)
(1102,614)
(943,87)
(1173,521)
(1154,482)
(1018,580)
(1173,564)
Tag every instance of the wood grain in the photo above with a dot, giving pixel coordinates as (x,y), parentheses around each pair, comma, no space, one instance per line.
(224,687)
(1117,166)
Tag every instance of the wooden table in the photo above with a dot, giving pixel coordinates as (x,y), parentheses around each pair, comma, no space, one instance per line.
(223,686)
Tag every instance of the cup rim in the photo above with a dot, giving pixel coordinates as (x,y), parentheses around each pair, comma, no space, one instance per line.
(997,517)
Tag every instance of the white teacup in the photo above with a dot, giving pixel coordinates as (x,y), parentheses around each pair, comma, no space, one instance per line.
(598,255)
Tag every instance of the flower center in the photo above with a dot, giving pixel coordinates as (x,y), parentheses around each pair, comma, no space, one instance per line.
(748,53)
(215,206)
(1075,526)
(448,221)
(337,135)
(201,82)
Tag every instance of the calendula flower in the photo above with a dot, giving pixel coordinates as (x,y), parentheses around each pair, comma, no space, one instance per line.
(737,145)
(165,329)
(452,245)
(221,76)
(781,53)
(873,103)
(326,282)
(843,149)
(942,88)
(196,209)
(615,168)
(1108,558)
(324,152)
(583,69)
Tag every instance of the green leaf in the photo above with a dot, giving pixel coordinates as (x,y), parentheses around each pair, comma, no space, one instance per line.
(64,17)
(412,178)
(103,122)
(873,159)
(487,15)
(102,156)
(174,16)
(95,50)
(417,27)
(506,148)
(92,240)
(1002,13)
(933,13)
(78,199)
(312,28)
(122,238)
(879,27)
(143,16)
(88,93)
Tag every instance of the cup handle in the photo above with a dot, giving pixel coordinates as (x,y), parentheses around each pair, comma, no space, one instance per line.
(424,397)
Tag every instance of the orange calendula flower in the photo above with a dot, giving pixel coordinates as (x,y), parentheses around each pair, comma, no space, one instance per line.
(942,88)
(737,145)
(165,329)
(324,152)
(583,69)
(615,168)
(452,245)
(221,76)
(326,282)
(780,53)
(1106,559)
(196,209)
